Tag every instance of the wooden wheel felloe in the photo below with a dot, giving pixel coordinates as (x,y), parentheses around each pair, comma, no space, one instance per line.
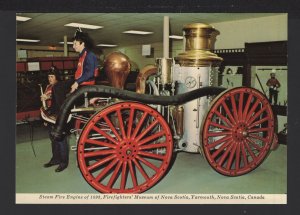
(238,131)
(125,148)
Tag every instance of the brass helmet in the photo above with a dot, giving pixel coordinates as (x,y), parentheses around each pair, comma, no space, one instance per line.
(117,68)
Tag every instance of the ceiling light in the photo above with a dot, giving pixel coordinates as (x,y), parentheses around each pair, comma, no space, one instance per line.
(27,40)
(69,43)
(137,32)
(22,18)
(107,45)
(80,25)
(176,37)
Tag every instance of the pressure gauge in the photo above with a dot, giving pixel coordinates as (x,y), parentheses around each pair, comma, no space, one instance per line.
(190,82)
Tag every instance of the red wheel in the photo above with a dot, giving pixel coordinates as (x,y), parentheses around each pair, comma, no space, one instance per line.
(125,148)
(237,132)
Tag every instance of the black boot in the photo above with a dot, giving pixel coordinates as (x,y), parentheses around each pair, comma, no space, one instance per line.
(64,154)
(61,167)
(51,163)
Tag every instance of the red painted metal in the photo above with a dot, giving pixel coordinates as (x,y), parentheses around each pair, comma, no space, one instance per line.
(238,131)
(28,115)
(125,148)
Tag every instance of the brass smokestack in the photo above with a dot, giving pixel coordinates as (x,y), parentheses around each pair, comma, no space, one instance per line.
(199,40)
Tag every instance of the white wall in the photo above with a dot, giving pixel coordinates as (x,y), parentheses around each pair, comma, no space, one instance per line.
(233,34)
(135,54)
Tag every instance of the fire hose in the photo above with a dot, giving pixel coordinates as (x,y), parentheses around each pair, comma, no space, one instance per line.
(58,131)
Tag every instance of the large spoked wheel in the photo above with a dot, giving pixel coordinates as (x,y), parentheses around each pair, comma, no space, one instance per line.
(125,148)
(238,131)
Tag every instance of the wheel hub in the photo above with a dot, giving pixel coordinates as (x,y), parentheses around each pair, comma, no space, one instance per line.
(240,132)
(127,150)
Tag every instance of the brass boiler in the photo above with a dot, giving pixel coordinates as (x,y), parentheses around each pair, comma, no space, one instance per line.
(117,68)
(193,70)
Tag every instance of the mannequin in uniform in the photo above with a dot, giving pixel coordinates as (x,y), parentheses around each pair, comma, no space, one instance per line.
(273,85)
(86,69)
(60,153)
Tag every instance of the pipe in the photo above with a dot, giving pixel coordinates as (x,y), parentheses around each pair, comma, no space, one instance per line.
(106,91)
(142,77)
(166,37)
(154,87)
(66,54)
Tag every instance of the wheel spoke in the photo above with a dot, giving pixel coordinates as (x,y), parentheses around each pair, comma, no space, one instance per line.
(258,137)
(149,128)
(237,155)
(257,130)
(223,118)
(141,169)
(112,127)
(250,152)
(218,142)
(114,175)
(152,166)
(98,153)
(224,156)
(228,112)
(124,175)
(258,122)
(153,146)
(152,137)
(256,115)
(218,134)
(151,155)
(244,154)
(232,153)
(106,169)
(100,143)
(252,143)
(252,110)
(240,112)
(132,173)
(247,106)
(121,124)
(216,153)
(103,133)
(139,125)
(234,107)
(220,126)
(129,127)
(101,162)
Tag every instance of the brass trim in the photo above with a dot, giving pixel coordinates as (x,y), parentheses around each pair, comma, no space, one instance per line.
(143,76)
(199,39)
